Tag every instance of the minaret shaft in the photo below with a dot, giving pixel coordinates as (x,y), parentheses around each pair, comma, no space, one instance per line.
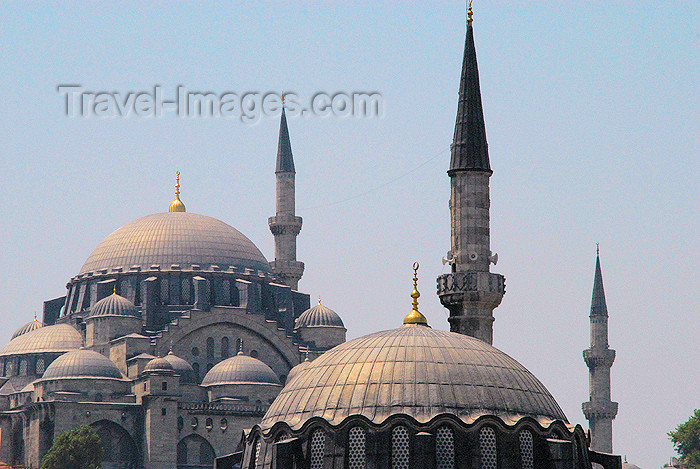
(600,410)
(470,292)
(285,225)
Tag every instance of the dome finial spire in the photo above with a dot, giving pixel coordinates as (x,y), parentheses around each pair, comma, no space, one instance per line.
(470,13)
(415,316)
(177,205)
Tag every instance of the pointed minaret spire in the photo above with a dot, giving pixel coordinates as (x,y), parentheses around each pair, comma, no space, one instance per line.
(469,148)
(471,292)
(599,410)
(285,160)
(285,225)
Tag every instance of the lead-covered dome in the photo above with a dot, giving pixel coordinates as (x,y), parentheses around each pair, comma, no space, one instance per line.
(114,305)
(182,368)
(240,369)
(318,316)
(175,238)
(58,338)
(413,370)
(29,327)
(82,364)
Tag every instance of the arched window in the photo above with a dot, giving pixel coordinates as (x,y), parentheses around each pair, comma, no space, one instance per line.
(224,424)
(40,366)
(206,454)
(180,424)
(224,348)
(164,291)
(256,455)
(316,449)
(23,367)
(527,455)
(445,448)
(182,453)
(226,292)
(186,289)
(400,448)
(356,448)
(209,424)
(487,443)
(210,347)
(254,353)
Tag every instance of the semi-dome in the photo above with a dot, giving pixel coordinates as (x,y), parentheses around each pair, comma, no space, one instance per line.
(240,369)
(413,370)
(159,365)
(114,305)
(318,316)
(29,327)
(82,364)
(182,368)
(47,339)
(175,238)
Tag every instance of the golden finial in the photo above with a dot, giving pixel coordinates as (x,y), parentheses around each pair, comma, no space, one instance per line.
(115,289)
(177,205)
(470,13)
(35,316)
(282,100)
(415,316)
(319,299)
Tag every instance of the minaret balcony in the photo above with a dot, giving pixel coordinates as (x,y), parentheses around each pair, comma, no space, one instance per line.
(472,281)
(595,358)
(599,410)
(285,224)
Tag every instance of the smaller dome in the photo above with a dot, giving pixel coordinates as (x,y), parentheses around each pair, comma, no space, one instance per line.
(114,305)
(240,369)
(298,369)
(182,368)
(318,316)
(626,465)
(159,366)
(82,364)
(58,338)
(29,327)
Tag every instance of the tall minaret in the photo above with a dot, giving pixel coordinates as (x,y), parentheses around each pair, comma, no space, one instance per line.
(599,410)
(285,225)
(470,292)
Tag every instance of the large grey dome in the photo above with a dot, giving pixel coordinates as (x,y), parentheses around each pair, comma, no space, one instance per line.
(240,369)
(82,364)
(413,370)
(114,305)
(58,338)
(29,327)
(318,316)
(170,238)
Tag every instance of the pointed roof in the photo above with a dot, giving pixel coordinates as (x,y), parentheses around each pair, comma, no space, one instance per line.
(285,160)
(469,148)
(598,306)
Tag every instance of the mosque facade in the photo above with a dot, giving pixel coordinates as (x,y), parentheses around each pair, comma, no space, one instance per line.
(183,347)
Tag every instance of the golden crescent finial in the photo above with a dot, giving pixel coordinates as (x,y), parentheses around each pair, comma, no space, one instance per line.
(319,299)
(115,288)
(177,205)
(282,100)
(415,316)
(470,13)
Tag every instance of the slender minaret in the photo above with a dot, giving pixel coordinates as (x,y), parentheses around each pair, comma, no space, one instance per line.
(285,225)
(599,410)
(470,292)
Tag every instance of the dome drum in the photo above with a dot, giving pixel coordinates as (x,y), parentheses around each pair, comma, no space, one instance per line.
(443,438)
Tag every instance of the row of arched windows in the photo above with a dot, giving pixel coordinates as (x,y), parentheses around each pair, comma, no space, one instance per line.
(445,457)
(22,366)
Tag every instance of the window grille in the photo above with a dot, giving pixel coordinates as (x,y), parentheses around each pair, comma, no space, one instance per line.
(40,366)
(356,448)
(226,291)
(445,448)
(318,443)
(527,450)
(224,348)
(210,347)
(254,461)
(186,289)
(23,367)
(487,442)
(164,291)
(399,448)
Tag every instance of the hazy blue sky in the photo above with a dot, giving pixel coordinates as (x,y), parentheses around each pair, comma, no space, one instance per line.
(592,119)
